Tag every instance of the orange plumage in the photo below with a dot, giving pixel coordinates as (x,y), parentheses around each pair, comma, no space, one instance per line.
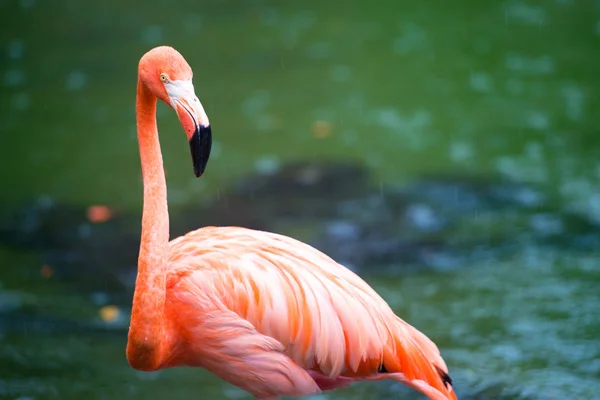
(265,312)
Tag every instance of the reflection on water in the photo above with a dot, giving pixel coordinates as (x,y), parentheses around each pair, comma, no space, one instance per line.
(416,92)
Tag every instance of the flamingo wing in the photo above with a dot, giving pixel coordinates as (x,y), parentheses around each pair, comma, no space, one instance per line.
(322,316)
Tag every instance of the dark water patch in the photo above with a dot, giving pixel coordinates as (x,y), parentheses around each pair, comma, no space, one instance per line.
(436,222)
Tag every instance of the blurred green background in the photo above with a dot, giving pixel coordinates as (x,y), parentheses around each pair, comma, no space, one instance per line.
(501,91)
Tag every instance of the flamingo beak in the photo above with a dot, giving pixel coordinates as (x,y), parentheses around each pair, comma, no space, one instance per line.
(200,145)
(193,120)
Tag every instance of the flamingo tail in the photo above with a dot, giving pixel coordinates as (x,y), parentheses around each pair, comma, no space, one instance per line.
(415,361)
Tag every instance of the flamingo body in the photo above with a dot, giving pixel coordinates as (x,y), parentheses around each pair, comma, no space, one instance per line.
(265,312)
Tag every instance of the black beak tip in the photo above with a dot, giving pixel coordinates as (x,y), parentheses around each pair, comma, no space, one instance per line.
(200,145)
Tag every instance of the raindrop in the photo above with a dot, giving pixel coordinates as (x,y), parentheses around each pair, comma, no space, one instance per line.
(594,204)
(84,231)
(538,120)
(268,164)
(265,122)
(100,114)
(481,82)
(423,217)
(303,20)
(341,73)
(45,202)
(196,185)
(269,16)
(545,64)
(514,86)
(296,25)
(508,352)
(216,149)
(534,150)
(192,23)
(482,45)
(233,392)
(257,102)
(574,101)
(413,38)
(507,166)
(152,35)
(317,397)
(528,197)
(99,298)
(546,224)
(461,151)
(526,14)
(319,50)
(514,62)
(10,300)
(540,65)
(21,101)
(343,230)
(148,376)
(349,137)
(15,49)
(370,30)
(76,80)
(430,289)
(389,118)
(14,77)
(178,196)
(355,101)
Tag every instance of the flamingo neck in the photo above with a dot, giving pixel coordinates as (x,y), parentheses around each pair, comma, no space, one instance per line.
(147,325)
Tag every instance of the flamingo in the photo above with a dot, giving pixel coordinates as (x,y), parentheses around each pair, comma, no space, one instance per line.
(264,312)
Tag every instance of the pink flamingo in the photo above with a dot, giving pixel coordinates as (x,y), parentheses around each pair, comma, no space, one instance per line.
(265,312)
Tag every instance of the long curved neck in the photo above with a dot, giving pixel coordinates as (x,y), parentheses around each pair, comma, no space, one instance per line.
(147,314)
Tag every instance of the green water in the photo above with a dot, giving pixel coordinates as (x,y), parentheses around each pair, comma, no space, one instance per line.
(408,88)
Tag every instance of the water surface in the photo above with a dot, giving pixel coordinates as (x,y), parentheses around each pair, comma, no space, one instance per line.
(408,89)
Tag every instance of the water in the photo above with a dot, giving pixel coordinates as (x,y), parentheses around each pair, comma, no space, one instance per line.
(408,89)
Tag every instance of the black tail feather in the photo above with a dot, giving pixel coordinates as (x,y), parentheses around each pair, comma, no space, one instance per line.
(446,380)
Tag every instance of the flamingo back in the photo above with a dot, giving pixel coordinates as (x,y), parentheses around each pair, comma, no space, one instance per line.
(327,318)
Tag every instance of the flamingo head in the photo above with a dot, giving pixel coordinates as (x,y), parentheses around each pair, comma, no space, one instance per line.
(164,71)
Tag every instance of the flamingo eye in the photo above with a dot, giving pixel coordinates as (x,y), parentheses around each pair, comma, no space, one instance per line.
(164,77)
